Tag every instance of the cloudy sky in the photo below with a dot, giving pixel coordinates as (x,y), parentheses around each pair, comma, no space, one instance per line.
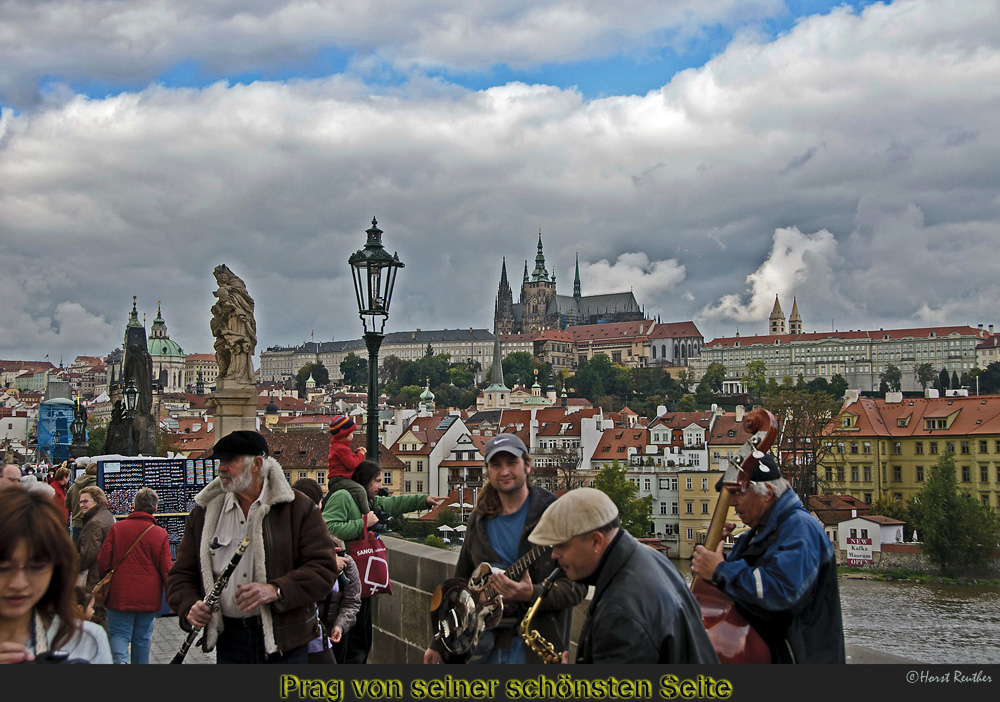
(707,154)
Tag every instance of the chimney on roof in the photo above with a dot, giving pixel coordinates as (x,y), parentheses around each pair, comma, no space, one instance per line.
(854,513)
(893,398)
(739,413)
(851,396)
(991,330)
(931,393)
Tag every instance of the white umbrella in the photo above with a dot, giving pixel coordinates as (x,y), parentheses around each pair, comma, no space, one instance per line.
(461,527)
(445,527)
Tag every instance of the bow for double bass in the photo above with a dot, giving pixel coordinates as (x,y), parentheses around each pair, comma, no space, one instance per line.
(734,639)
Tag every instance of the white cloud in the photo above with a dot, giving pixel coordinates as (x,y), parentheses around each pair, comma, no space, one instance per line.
(798,262)
(137,40)
(649,280)
(850,163)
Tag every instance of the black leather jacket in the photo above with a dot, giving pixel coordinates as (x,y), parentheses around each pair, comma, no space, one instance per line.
(642,611)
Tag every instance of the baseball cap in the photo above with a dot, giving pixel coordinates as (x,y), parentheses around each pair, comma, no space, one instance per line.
(509,443)
(239,443)
(577,512)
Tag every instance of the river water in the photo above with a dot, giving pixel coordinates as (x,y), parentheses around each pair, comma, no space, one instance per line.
(925,623)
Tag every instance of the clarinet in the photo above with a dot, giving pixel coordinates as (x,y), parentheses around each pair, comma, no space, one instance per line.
(213,598)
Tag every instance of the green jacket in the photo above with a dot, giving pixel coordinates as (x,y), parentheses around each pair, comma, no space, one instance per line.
(343,518)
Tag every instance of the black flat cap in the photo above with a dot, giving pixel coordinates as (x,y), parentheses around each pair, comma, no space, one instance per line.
(239,443)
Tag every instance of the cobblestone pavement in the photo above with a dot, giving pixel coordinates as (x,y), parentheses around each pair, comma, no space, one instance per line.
(167,639)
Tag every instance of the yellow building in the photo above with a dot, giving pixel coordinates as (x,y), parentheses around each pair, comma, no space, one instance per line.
(887,447)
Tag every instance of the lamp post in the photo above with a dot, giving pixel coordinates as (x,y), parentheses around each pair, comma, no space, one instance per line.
(131,394)
(56,440)
(78,428)
(374,272)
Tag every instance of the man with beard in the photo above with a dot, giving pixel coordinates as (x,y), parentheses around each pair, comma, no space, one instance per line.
(506,511)
(267,611)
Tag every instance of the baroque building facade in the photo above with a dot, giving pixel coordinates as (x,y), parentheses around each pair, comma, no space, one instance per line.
(859,356)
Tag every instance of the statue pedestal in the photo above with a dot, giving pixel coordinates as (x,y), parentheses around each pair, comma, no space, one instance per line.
(234,407)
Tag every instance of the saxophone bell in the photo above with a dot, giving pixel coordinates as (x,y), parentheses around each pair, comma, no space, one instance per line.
(542,648)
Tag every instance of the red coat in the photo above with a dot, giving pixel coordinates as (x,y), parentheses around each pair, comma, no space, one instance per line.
(60,499)
(139,580)
(341,460)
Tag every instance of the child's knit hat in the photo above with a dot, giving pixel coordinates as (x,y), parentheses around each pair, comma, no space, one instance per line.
(341,425)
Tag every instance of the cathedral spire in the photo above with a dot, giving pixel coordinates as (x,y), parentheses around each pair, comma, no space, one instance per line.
(539,274)
(577,294)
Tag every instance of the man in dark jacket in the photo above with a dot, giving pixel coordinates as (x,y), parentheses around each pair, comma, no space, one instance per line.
(782,572)
(267,612)
(506,512)
(641,610)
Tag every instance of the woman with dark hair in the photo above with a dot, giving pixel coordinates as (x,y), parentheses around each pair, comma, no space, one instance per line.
(343,519)
(38,570)
(136,592)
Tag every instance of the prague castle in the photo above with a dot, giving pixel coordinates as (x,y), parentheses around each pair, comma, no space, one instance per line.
(539,307)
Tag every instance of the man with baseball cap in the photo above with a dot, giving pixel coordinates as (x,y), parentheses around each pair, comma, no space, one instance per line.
(782,572)
(641,610)
(267,612)
(506,512)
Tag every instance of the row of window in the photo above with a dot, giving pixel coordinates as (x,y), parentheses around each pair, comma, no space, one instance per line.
(669,484)
(897,474)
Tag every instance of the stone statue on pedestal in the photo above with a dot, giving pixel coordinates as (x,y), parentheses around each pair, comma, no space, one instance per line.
(234,327)
(234,402)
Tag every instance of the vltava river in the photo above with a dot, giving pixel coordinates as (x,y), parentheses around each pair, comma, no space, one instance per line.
(926,623)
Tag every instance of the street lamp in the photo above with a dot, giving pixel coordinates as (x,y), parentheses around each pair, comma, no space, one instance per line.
(374,272)
(56,440)
(131,393)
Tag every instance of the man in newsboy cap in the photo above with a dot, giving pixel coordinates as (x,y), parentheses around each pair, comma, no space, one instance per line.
(267,611)
(641,610)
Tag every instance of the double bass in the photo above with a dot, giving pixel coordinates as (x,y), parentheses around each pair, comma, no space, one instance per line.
(735,641)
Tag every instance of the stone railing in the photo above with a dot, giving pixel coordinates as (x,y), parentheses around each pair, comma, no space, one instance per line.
(401,623)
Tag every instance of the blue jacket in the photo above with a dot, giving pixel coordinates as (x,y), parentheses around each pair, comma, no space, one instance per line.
(783,577)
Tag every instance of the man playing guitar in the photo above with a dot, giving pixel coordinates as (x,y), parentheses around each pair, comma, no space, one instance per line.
(507,510)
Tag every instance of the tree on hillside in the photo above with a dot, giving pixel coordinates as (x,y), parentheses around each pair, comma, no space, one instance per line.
(687,403)
(595,377)
(519,369)
(839,386)
(755,380)
(807,436)
(354,369)
(955,383)
(891,379)
(989,379)
(685,380)
(633,511)
(944,380)
(318,372)
(925,374)
(959,533)
(714,375)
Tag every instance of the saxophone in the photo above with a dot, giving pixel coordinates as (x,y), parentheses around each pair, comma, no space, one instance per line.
(544,649)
